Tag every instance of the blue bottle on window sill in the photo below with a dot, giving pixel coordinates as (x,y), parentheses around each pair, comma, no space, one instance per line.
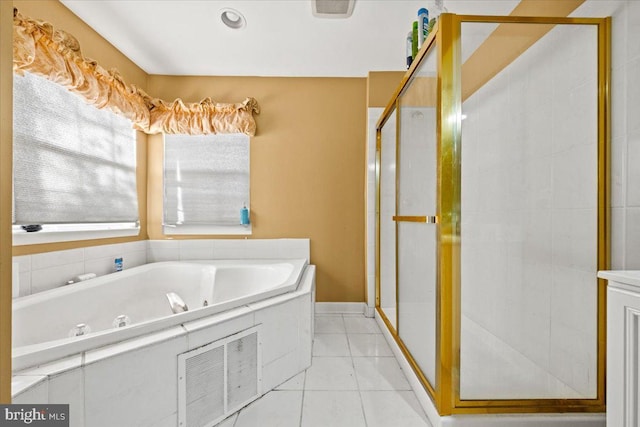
(244,216)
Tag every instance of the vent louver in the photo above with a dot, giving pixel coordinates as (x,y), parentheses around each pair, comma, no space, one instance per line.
(242,369)
(205,396)
(218,379)
(332,8)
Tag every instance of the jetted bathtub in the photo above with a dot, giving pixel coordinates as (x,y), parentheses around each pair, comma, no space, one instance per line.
(42,323)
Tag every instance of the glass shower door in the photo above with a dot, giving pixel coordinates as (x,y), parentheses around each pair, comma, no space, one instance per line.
(416,225)
(497,187)
(386,211)
(529,208)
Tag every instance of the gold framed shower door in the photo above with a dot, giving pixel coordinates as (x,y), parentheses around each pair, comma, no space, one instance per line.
(445,393)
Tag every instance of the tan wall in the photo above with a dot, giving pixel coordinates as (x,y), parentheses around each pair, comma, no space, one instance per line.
(508,41)
(6,148)
(91,43)
(307,160)
(95,47)
(381,86)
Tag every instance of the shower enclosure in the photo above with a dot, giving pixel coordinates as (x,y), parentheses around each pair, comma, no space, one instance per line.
(491,214)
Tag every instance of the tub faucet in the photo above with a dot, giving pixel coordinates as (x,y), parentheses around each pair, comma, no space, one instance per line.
(176,303)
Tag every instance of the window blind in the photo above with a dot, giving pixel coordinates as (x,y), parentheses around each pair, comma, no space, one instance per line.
(73,163)
(206,179)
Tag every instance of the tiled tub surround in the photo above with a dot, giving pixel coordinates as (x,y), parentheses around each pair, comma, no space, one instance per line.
(185,250)
(41,272)
(104,386)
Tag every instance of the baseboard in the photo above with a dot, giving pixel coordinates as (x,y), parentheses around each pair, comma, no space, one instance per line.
(340,308)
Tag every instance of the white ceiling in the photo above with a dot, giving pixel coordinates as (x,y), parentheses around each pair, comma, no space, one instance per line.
(282,37)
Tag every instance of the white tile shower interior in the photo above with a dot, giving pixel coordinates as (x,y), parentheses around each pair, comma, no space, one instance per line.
(529,221)
(354,380)
(416,243)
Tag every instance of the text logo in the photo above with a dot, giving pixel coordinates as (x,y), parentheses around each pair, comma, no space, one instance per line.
(34,415)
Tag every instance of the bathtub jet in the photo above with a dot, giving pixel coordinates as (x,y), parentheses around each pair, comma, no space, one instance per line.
(176,303)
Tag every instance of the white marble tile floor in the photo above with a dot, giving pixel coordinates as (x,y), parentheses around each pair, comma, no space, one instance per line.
(353,381)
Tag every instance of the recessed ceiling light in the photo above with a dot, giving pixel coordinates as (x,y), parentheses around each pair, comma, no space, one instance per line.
(232,18)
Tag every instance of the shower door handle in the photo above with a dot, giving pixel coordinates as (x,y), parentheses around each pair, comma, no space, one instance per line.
(425,219)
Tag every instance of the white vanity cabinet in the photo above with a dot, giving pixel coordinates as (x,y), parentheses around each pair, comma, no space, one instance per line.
(623,348)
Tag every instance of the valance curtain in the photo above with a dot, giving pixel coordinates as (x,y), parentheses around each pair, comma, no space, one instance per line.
(54,54)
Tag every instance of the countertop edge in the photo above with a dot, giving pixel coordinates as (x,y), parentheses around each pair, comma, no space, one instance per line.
(627,277)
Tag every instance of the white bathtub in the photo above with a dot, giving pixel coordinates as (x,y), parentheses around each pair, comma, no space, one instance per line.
(42,322)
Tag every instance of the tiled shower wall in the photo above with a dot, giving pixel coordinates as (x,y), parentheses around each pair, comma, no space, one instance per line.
(560,335)
(625,129)
(529,207)
(41,272)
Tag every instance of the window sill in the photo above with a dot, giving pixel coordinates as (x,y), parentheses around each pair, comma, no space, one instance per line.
(55,234)
(236,230)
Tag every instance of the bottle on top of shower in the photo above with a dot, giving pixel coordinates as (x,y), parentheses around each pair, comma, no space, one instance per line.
(414,40)
(423,26)
(409,49)
(434,13)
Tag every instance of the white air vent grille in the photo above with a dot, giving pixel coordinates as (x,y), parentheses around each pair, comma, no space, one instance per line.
(332,8)
(205,397)
(218,379)
(242,369)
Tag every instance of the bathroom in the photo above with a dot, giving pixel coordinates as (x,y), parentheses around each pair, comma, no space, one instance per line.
(312,183)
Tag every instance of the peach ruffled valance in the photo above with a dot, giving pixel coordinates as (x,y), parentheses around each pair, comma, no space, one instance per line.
(206,116)
(54,54)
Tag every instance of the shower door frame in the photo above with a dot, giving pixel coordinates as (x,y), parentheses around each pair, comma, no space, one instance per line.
(445,394)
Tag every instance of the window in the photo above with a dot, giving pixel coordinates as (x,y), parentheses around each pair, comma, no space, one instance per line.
(206,183)
(74,164)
